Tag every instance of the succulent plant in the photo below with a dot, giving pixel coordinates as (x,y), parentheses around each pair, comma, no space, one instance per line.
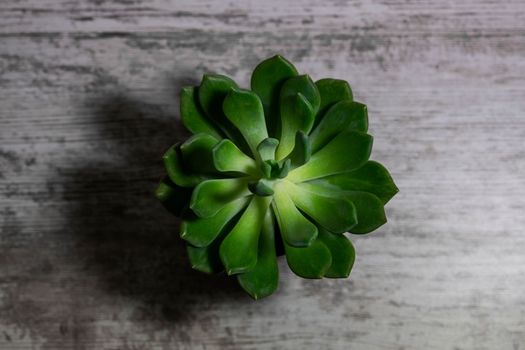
(281,169)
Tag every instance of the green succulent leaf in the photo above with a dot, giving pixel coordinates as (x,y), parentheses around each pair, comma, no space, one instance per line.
(197,155)
(331,91)
(263,279)
(301,152)
(344,115)
(267,80)
(309,262)
(228,158)
(244,110)
(193,117)
(342,252)
(347,151)
(295,228)
(238,251)
(201,232)
(297,115)
(372,177)
(211,195)
(370,211)
(266,149)
(175,169)
(302,84)
(204,259)
(174,198)
(334,213)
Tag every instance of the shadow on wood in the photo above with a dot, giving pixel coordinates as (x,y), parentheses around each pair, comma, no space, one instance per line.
(125,236)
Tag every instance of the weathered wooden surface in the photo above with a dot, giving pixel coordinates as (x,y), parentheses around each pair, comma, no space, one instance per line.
(89,260)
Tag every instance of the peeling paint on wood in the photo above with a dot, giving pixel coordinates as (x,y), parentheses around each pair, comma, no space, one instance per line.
(88,103)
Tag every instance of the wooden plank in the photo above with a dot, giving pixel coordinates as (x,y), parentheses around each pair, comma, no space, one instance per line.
(88,103)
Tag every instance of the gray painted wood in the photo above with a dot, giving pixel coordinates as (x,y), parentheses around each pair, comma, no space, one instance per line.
(88,103)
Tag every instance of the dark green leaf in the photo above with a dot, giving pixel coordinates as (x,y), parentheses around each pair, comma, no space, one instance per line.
(204,259)
(370,211)
(201,232)
(342,252)
(192,116)
(211,195)
(228,158)
(335,213)
(174,198)
(296,115)
(347,151)
(296,230)
(263,279)
(238,251)
(197,156)
(331,91)
(309,262)
(301,152)
(267,79)
(175,169)
(344,115)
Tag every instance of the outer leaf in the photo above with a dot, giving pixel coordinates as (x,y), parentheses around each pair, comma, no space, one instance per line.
(296,115)
(342,252)
(370,211)
(263,279)
(175,169)
(334,213)
(204,259)
(347,151)
(296,230)
(238,251)
(201,232)
(174,198)
(304,85)
(331,91)
(244,109)
(197,154)
(267,79)
(211,195)
(344,115)
(371,177)
(228,158)
(309,262)
(192,116)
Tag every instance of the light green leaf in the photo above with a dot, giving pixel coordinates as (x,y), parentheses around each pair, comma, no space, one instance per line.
(347,151)
(296,115)
(304,85)
(331,91)
(372,177)
(344,115)
(228,158)
(201,232)
(342,252)
(238,251)
(244,110)
(266,149)
(334,213)
(192,116)
(174,198)
(263,279)
(267,80)
(309,262)
(211,195)
(296,230)
(175,169)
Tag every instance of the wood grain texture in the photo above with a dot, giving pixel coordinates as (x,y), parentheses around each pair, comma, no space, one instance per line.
(88,103)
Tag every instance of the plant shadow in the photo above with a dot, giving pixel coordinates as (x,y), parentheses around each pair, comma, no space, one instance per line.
(123,233)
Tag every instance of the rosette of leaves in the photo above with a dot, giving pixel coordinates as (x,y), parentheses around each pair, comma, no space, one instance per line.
(282,168)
